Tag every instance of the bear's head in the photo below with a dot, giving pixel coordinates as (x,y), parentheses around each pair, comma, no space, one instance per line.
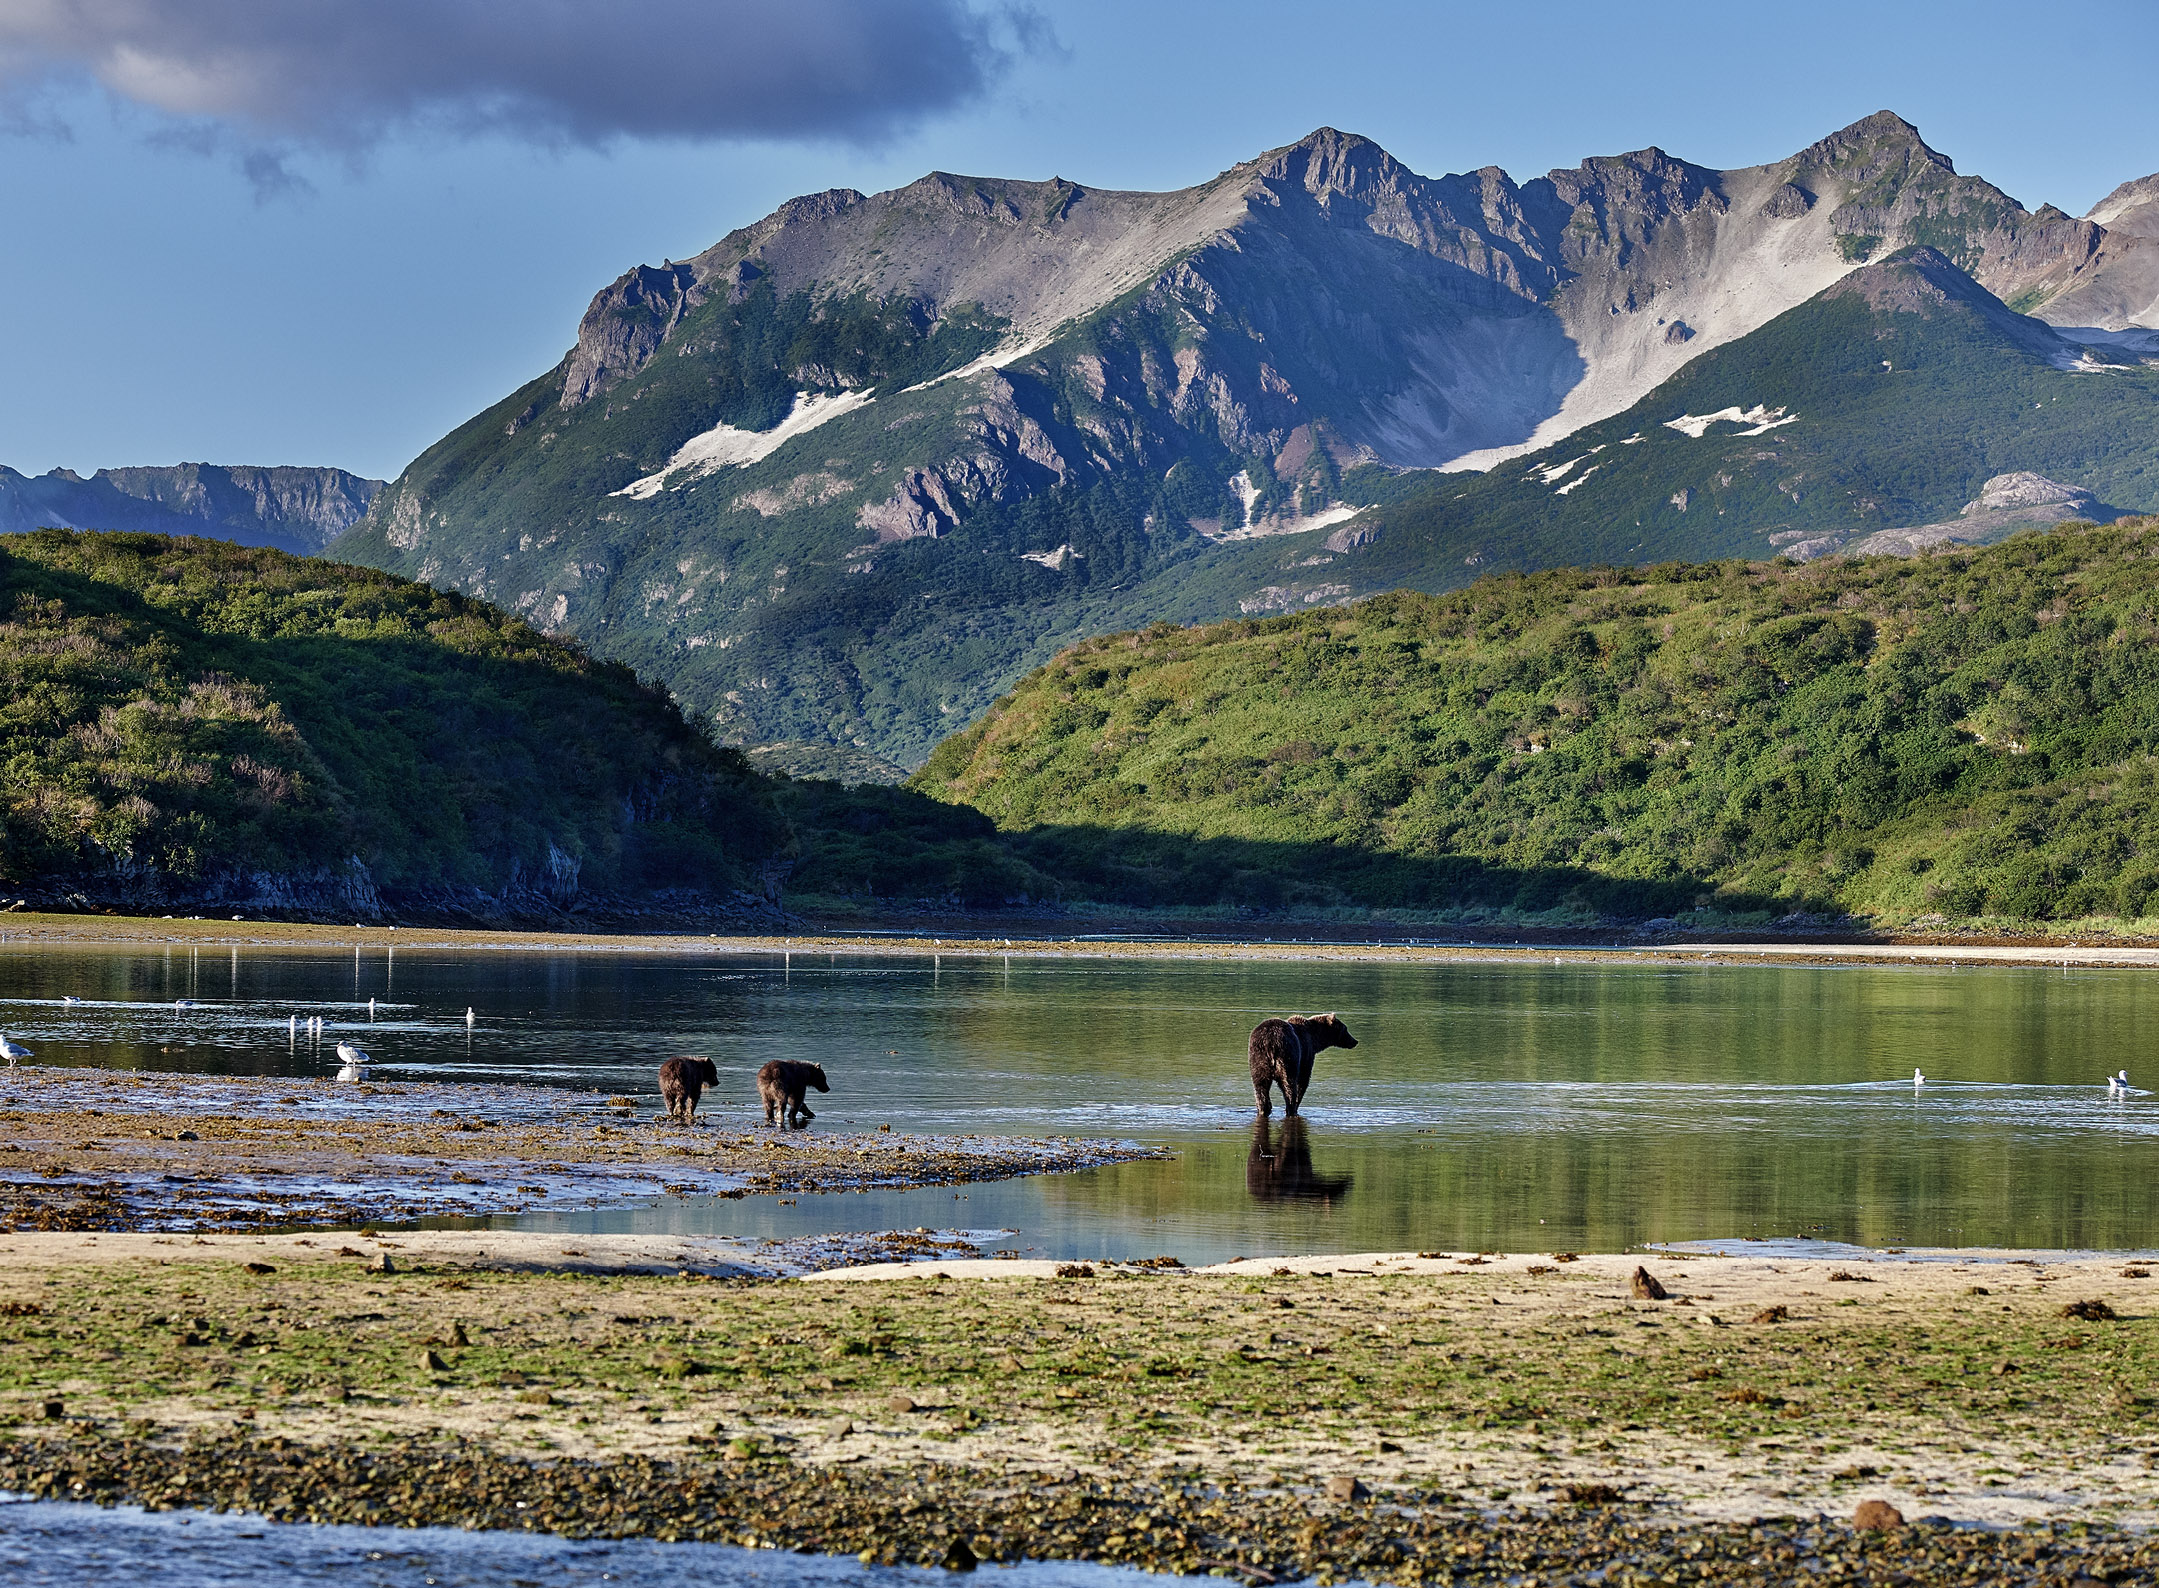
(815,1076)
(707,1072)
(1328,1032)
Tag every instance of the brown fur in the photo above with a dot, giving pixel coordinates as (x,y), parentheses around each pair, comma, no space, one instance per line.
(682,1083)
(782,1083)
(1281,1054)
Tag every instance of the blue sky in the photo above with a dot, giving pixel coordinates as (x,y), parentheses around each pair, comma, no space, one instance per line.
(258,280)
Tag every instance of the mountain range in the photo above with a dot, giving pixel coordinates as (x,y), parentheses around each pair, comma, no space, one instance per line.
(842,477)
(293,509)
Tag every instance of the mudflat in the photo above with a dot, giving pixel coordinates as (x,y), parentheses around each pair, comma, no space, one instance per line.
(1394,1416)
(88,1149)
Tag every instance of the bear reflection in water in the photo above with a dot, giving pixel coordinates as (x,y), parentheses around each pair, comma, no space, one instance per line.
(1279,1167)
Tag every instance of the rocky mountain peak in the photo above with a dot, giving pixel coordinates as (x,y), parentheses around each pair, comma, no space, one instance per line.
(1870,145)
(1326,162)
(2131,210)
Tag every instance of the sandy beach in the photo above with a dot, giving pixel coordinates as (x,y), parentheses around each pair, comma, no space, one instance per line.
(1035,939)
(1247,1408)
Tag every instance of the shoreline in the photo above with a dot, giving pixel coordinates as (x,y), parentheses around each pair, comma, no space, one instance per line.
(109,1151)
(1027,941)
(1480,1416)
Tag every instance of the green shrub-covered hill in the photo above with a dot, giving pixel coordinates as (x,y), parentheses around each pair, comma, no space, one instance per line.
(1963,735)
(192,721)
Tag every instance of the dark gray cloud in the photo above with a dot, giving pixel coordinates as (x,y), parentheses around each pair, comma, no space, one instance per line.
(344,74)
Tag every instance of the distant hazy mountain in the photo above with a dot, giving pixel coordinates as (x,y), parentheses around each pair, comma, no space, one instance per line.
(294,509)
(846,474)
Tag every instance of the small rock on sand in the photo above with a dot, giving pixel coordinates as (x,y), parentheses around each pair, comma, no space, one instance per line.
(900,1403)
(1878,1515)
(1345,1486)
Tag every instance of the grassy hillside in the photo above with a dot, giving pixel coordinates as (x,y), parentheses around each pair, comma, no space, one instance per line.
(194,721)
(1961,735)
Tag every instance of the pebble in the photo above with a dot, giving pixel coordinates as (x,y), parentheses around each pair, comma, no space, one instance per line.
(1877,1515)
(916,1514)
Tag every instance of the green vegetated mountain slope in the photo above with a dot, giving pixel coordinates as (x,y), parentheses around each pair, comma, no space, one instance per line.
(1966,734)
(1884,403)
(187,722)
(845,475)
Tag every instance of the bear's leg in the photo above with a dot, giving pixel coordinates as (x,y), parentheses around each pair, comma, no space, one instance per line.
(1263,1090)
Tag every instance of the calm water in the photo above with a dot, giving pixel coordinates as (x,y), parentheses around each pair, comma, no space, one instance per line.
(48,1544)
(1512,1106)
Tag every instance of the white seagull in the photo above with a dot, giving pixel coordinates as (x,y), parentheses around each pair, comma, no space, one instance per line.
(1918,1079)
(183,1003)
(2118,1084)
(11,1051)
(71,999)
(355,1061)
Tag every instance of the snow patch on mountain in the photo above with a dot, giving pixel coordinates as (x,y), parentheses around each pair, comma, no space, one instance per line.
(1762,419)
(723,446)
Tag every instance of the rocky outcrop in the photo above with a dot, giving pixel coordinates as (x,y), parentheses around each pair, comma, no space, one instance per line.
(294,509)
(625,326)
(2004,505)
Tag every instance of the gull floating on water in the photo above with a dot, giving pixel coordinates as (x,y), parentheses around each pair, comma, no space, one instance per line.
(183,1003)
(355,1061)
(71,999)
(468,1015)
(2118,1084)
(12,1051)
(1918,1079)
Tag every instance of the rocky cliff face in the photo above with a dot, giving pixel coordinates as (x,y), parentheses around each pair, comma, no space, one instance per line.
(751,471)
(294,509)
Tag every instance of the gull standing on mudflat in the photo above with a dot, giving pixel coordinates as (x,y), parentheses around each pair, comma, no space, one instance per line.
(355,1061)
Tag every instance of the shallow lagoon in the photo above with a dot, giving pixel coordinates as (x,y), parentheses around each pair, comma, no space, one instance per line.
(1588,1105)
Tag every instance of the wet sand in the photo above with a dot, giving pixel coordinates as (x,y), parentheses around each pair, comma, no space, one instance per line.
(84,1149)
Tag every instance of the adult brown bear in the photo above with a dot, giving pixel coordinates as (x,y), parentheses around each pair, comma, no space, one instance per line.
(781,1083)
(682,1083)
(1282,1052)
